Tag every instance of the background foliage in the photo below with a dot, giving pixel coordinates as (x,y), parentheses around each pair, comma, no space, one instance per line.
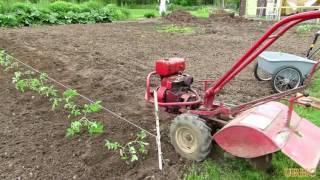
(58,12)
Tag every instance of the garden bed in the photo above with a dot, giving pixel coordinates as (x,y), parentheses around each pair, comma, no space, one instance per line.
(110,62)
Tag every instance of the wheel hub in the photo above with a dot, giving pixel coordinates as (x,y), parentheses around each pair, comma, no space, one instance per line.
(286,81)
(186,140)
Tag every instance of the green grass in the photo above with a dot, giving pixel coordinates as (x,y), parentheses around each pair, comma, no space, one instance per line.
(136,14)
(201,12)
(305,28)
(236,168)
(228,168)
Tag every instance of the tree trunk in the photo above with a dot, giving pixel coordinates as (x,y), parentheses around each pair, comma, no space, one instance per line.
(242,9)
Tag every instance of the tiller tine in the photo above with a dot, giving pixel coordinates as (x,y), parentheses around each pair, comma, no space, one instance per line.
(264,129)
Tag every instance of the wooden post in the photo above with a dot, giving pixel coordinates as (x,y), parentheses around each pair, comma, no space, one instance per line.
(156,113)
(280,9)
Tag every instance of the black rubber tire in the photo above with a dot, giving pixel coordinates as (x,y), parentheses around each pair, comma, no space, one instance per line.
(278,71)
(200,131)
(256,75)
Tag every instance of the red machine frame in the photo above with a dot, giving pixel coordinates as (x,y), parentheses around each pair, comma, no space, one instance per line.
(211,108)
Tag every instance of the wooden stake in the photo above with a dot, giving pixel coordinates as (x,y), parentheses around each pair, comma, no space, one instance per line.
(156,113)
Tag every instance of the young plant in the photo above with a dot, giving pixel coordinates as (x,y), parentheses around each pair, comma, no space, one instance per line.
(6,61)
(93,127)
(20,83)
(70,105)
(39,85)
(130,151)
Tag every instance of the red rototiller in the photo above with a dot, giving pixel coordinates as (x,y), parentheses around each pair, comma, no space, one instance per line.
(249,130)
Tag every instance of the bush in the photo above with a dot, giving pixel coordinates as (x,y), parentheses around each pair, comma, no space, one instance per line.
(25,14)
(115,12)
(62,6)
(149,15)
(22,7)
(60,12)
(8,21)
(91,5)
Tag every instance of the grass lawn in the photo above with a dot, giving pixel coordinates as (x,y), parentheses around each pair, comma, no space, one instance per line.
(236,168)
(139,13)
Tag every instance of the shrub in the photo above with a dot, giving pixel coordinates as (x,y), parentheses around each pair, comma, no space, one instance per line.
(60,12)
(149,15)
(115,12)
(26,14)
(22,7)
(91,5)
(8,20)
(62,6)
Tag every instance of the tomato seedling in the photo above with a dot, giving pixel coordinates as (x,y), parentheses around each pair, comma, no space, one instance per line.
(131,150)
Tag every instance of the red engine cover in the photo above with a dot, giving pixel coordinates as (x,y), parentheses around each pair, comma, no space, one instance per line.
(171,66)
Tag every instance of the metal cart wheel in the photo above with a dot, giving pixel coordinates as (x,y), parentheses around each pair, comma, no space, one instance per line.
(191,137)
(286,78)
(260,74)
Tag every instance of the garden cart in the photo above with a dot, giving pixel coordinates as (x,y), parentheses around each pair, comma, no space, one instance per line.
(286,71)
(249,130)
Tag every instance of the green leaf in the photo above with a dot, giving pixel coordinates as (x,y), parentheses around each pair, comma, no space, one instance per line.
(16,77)
(142,149)
(112,145)
(21,85)
(93,107)
(141,135)
(55,103)
(132,150)
(124,157)
(76,126)
(34,84)
(43,77)
(95,128)
(75,111)
(70,93)
(70,133)
(134,158)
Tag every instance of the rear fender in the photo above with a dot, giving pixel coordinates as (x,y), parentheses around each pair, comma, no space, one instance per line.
(262,130)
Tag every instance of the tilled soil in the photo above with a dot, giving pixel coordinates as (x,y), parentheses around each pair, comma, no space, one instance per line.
(181,16)
(110,62)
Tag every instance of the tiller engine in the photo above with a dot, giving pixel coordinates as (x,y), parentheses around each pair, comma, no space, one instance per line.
(175,86)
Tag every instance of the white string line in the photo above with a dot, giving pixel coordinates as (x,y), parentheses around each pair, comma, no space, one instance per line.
(84,97)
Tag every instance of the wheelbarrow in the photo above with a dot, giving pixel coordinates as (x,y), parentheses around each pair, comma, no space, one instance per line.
(249,130)
(285,71)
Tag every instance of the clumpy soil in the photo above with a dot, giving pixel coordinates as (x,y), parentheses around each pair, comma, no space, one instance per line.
(109,62)
(181,16)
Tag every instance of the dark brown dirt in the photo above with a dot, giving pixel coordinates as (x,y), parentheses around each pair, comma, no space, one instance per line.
(109,62)
(181,16)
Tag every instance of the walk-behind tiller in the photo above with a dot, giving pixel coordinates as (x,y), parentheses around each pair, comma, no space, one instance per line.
(249,130)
